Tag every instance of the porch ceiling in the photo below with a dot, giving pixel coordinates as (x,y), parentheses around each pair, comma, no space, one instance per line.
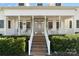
(66,17)
(25,17)
(11,17)
(50,18)
(22,18)
(39,18)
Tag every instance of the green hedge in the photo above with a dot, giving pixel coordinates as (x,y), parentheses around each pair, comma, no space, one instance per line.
(66,43)
(13,45)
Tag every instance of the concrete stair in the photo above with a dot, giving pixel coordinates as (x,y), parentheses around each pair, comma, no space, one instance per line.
(39,45)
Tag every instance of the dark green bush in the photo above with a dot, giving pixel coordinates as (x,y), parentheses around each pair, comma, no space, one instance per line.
(62,43)
(13,45)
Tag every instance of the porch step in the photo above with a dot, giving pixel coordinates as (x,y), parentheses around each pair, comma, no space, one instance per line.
(39,51)
(38,40)
(39,45)
(39,54)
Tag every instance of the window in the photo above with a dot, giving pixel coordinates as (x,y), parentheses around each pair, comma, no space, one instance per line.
(9,24)
(50,26)
(21,4)
(58,4)
(70,24)
(39,4)
(1,23)
(21,25)
(28,25)
(77,23)
(57,25)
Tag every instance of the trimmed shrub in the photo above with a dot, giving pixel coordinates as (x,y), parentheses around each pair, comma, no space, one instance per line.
(13,45)
(67,43)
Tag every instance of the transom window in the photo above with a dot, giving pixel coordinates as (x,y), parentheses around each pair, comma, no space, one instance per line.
(39,4)
(21,4)
(1,23)
(77,24)
(58,4)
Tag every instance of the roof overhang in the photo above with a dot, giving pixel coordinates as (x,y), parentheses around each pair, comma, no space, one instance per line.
(41,7)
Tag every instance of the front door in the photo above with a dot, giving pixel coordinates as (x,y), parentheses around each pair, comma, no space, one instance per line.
(39,27)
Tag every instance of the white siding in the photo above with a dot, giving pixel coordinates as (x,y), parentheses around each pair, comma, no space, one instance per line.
(19,12)
(1,18)
(76,17)
(39,12)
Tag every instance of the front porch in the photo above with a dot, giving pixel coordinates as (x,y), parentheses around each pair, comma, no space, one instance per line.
(18,25)
(23,25)
(32,25)
(60,25)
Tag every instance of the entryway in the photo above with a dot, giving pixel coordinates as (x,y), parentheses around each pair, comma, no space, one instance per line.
(39,43)
(39,27)
(39,24)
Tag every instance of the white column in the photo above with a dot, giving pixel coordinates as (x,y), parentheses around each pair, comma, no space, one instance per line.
(16,26)
(19,31)
(45,29)
(59,24)
(74,24)
(32,23)
(5,25)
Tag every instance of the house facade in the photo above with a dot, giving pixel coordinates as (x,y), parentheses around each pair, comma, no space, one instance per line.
(31,20)
(54,19)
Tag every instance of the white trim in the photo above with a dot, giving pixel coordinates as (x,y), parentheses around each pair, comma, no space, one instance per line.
(5,25)
(74,24)
(46,37)
(31,37)
(40,29)
(18,25)
(59,25)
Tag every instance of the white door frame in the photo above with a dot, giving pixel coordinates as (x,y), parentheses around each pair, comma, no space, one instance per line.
(41,27)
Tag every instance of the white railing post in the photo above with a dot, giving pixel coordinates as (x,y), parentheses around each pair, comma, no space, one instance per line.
(46,37)
(30,43)
(31,37)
